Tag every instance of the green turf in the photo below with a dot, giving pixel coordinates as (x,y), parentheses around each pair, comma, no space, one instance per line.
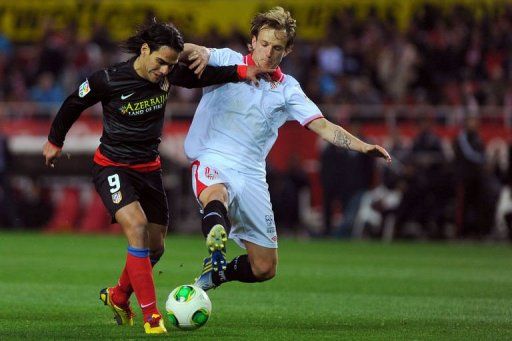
(324,290)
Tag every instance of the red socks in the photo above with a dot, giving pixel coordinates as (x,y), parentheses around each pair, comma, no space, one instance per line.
(120,294)
(123,290)
(137,276)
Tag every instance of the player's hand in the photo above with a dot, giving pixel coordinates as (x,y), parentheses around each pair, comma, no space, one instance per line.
(378,151)
(51,153)
(255,72)
(199,58)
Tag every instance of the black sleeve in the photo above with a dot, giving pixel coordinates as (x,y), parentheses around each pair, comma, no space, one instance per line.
(90,92)
(181,75)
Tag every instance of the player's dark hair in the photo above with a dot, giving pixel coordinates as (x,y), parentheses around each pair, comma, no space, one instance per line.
(156,35)
(278,19)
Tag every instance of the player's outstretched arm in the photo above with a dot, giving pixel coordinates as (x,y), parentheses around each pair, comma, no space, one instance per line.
(343,139)
(182,76)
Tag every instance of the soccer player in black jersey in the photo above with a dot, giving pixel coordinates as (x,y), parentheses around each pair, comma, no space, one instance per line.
(127,171)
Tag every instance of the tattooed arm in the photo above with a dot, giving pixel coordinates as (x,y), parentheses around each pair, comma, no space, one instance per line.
(343,139)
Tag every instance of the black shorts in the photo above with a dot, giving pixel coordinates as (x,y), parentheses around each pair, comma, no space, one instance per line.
(119,186)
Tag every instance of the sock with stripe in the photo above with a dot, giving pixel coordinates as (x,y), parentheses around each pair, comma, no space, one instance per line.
(120,294)
(140,274)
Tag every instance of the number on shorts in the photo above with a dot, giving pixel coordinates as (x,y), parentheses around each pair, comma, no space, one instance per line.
(115,184)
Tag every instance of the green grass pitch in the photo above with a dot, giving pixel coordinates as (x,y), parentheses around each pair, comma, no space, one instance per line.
(335,290)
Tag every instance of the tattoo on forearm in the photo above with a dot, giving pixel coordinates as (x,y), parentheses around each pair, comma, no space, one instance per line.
(341,139)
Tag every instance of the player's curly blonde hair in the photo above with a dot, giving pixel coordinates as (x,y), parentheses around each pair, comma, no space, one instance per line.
(278,19)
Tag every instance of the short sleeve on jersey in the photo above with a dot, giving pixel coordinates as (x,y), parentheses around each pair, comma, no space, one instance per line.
(222,57)
(298,105)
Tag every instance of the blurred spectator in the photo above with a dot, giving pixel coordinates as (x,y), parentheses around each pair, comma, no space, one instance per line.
(469,176)
(504,206)
(396,69)
(330,58)
(53,52)
(427,186)
(8,216)
(46,90)
(286,188)
(34,198)
(47,93)
(345,176)
(5,45)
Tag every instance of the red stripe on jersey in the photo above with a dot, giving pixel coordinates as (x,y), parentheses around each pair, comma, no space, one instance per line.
(277,75)
(200,187)
(151,166)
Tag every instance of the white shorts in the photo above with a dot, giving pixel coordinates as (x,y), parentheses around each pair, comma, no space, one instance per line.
(249,207)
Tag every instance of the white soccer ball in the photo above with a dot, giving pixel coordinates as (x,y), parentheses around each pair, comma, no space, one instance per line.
(188,307)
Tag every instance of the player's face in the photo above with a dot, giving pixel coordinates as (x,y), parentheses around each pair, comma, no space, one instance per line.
(158,63)
(269,47)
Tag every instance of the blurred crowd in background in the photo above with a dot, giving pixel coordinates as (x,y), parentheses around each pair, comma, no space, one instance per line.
(442,57)
(439,186)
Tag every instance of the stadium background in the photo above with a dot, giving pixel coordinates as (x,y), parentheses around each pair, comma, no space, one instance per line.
(387,69)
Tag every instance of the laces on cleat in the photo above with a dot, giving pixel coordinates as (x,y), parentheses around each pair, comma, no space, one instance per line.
(218,261)
(205,280)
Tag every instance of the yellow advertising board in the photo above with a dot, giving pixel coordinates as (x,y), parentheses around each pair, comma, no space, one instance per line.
(26,20)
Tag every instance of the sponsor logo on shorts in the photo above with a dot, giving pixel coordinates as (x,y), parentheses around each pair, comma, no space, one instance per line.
(210,174)
(271,228)
(269,219)
(84,89)
(117,197)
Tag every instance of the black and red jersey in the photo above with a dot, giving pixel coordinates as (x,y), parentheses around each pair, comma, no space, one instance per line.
(133,109)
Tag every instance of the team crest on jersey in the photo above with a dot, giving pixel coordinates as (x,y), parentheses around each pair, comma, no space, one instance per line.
(84,89)
(210,174)
(164,84)
(273,85)
(117,197)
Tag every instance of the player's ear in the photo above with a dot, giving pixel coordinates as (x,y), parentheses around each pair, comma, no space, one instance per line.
(287,51)
(253,41)
(144,49)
